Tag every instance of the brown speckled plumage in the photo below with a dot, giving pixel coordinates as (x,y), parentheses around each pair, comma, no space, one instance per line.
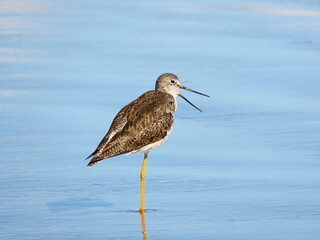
(146,120)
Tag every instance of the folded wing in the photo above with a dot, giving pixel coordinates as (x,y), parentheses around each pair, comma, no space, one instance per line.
(144,121)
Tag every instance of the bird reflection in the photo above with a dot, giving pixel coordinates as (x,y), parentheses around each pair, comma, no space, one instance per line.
(143,226)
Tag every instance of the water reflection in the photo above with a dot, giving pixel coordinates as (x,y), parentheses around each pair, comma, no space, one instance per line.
(143,226)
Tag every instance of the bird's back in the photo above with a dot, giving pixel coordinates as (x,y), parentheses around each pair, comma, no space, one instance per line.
(144,121)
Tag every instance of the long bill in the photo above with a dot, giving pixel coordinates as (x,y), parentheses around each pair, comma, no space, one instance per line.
(188,89)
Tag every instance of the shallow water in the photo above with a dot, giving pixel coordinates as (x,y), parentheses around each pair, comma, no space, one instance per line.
(245,168)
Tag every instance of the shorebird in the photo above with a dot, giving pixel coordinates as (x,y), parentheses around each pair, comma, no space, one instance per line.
(143,124)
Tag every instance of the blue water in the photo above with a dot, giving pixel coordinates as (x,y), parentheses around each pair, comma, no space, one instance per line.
(246,168)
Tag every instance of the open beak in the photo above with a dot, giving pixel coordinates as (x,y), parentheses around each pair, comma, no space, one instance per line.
(188,89)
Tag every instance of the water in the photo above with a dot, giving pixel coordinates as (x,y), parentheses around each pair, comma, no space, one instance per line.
(245,168)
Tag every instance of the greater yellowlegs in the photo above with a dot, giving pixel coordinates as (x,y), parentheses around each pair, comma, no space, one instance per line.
(143,124)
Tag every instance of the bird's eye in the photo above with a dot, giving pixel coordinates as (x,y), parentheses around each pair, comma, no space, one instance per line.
(172,81)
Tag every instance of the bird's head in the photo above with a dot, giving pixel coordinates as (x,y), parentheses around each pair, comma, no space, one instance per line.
(169,83)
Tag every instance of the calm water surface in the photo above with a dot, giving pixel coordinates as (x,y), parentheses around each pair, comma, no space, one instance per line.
(245,168)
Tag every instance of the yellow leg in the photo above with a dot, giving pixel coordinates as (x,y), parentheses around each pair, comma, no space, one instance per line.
(142,176)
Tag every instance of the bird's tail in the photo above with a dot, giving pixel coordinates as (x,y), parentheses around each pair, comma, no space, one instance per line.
(95,151)
(94,161)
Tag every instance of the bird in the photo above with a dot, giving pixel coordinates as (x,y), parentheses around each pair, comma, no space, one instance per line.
(143,125)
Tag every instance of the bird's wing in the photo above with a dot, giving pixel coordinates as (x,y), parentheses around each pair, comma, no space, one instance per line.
(144,121)
(116,126)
